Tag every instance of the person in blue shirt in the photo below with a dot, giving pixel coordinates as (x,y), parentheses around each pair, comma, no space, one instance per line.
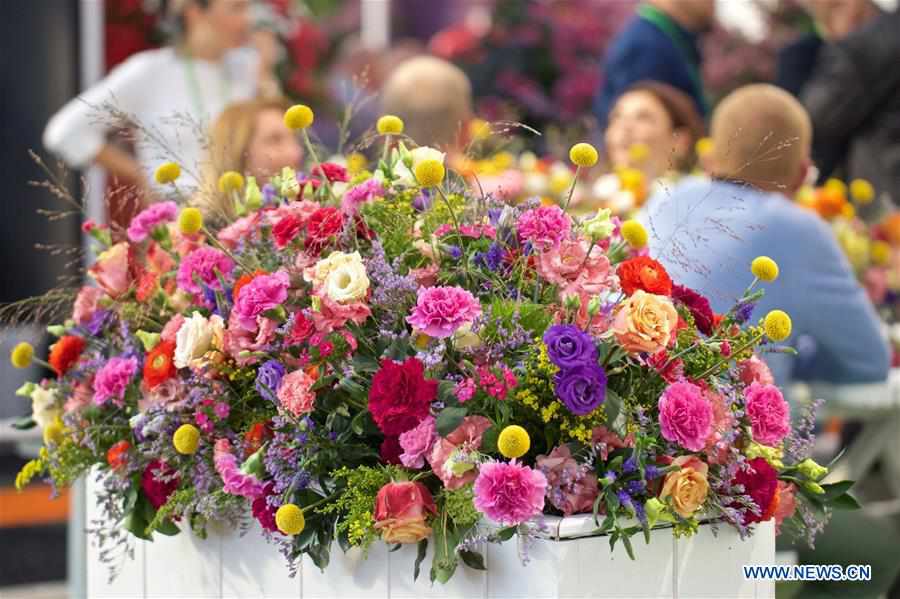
(660,44)
(707,232)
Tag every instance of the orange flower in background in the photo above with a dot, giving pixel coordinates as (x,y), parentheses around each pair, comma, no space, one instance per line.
(829,202)
(147,286)
(65,353)
(117,455)
(159,365)
(255,436)
(244,280)
(644,273)
(890,228)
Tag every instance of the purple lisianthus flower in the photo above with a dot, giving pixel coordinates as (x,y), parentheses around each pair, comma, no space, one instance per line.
(455,252)
(423,201)
(268,378)
(581,388)
(568,346)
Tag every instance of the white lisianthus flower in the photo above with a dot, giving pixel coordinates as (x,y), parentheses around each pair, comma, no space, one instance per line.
(349,281)
(44,406)
(196,337)
(324,267)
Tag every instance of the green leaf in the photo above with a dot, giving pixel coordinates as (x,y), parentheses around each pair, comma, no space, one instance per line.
(612,406)
(845,502)
(626,540)
(420,557)
(396,547)
(320,555)
(24,423)
(473,559)
(505,534)
(449,419)
(343,540)
(835,490)
(168,528)
(489,440)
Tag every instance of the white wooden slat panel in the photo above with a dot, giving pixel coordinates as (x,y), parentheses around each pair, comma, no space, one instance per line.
(252,567)
(184,566)
(466,582)
(348,576)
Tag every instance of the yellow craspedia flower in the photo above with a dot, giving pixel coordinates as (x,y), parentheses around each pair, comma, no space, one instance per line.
(167,172)
(231,181)
(186,439)
(880,252)
(513,442)
(777,325)
(21,355)
(479,129)
(638,153)
(764,269)
(836,185)
(631,179)
(299,116)
(584,155)
(389,124)
(289,519)
(704,146)
(356,163)
(53,432)
(190,221)
(862,191)
(848,211)
(634,233)
(430,173)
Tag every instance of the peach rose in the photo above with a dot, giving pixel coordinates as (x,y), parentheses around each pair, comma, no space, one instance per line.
(688,486)
(112,270)
(645,322)
(401,511)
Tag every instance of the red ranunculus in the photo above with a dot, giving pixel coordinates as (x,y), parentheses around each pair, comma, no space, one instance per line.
(333,172)
(698,306)
(117,454)
(287,229)
(760,482)
(400,396)
(391,450)
(323,224)
(255,436)
(644,273)
(159,365)
(262,511)
(158,491)
(65,353)
(401,511)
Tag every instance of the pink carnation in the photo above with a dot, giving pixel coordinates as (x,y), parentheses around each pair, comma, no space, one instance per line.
(417,443)
(237,339)
(440,311)
(236,482)
(149,218)
(473,231)
(685,417)
(425,276)
(509,493)
(361,194)
(722,423)
(86,305)
(462,446)
(203,263)
(295,393)
(768,412)
(263,293)
(572,487)
(112,379)
(238,231)
(568,265)
(171,329)
(544,227)
(754,370)
(333,315)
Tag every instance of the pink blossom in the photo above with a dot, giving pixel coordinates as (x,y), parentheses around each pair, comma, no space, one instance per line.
(685,416)
(605,441)
(170,331)
(236,339)
(295,393)
(544,227)
(80,397)
(333,315)
(360,194)
(236,482)
(875,281)
(459,447)
(301,210)
(239,230)
(417,443)
(787,504)
(425,276)
(169,394)
(203,263)
(221,410)
(86,304)
(509,493)
(263,293)
(473,231)
(754,370)
(569,265)
(722,423)
(572,488)
(769,413)
(112,269)
(112,380)
(440,311)
(149,218)
(464,390)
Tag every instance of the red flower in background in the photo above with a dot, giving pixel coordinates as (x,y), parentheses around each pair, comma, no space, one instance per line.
(644,273)
(159,365)
(287,230)
(400,396)
(158,491)
(760,482)
(65,353)
(699,308)
(117,454)
(333,172)
(324,224)
(390,450)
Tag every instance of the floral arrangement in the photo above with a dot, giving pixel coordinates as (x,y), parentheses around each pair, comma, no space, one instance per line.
(397,357)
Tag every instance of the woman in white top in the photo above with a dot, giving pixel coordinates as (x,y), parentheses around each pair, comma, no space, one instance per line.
(170,95)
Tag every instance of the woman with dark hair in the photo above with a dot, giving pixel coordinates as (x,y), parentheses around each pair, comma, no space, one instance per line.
(169,94)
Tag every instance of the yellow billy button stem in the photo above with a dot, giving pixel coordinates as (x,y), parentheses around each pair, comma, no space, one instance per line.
(764,269)
(289,519)
(777,325)
(22,355)
(186,439)
(513,442)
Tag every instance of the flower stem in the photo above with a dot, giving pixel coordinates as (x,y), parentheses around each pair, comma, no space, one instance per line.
(572,188)
(312,152)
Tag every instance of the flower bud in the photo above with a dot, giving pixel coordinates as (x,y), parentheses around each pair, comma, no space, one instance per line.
(812,470)
(814,488)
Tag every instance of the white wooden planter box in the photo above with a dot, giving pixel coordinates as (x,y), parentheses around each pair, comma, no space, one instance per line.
(228,565)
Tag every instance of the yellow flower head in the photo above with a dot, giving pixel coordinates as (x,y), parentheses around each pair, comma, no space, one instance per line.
(584,155)
(764,269)
(231,181)
(190,221)
(704,146)
(389,124)
(356,163)
(862,191)
(53,432)
(299,116)
(22,355)
(638,153)
(186,439)
(479,129)
(881,252)
(631,179)
(634,233)
(777,325)
(430,173)
(806,196)
(513,442)
(836,185)
(167,172)
(848,211)
(289,519)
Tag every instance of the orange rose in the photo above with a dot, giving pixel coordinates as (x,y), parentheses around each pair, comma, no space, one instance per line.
(688,486)
(401,511)
(645,322)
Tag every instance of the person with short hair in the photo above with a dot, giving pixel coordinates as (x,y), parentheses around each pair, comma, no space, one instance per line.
(707,233)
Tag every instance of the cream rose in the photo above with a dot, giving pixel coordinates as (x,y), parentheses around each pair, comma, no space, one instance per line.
(319,272)
(348,282)
(44,407)
(688,486)
(196,337)
(645,322)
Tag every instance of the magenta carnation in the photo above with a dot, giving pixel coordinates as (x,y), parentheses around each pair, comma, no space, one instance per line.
(143,224)
(202,264)
(112,379)
(236,482)
(509,493)
(360,194)
(263,293)
(544,227)
(685,416)
(417,443)
(440,311)
(769,413)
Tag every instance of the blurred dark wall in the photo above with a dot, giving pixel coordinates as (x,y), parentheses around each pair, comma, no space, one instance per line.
(38,74)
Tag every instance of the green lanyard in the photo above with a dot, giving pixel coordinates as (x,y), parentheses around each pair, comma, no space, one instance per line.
(664,23)
(197,91)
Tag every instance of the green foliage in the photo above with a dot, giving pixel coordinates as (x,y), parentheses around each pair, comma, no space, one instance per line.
(356,504)
(459,506)
(392,219)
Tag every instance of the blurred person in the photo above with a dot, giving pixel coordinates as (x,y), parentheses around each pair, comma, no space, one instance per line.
(660,44)
(251,139)
(434,99)
(853,98)
(169,93)
(761,147)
